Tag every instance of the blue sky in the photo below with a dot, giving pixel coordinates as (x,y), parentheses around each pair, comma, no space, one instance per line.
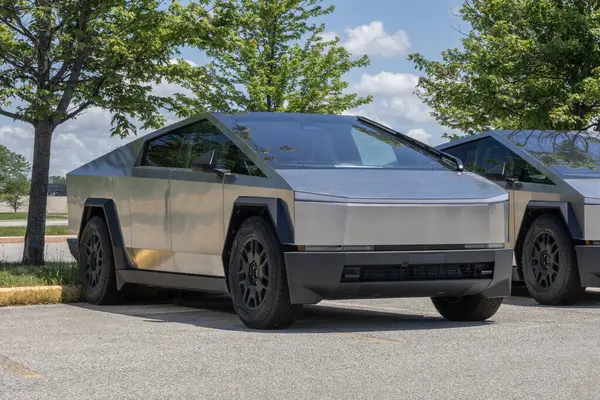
(385,30)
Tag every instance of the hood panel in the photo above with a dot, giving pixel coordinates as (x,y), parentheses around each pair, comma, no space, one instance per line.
(588,188)
(377,184)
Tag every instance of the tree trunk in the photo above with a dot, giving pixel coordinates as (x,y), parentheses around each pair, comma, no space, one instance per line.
(33,254)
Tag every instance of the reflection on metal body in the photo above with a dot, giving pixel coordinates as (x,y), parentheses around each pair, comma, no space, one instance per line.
(175,220)
(196,206)
(319,223)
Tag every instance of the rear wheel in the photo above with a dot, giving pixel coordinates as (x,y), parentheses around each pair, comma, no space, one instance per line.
(257,277)
(467,308)
(96,264)
(549,263)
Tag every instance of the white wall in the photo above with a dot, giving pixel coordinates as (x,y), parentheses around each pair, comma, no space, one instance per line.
(56,205)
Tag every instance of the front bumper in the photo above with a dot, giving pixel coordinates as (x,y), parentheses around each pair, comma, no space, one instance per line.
(314,276)
(588,260)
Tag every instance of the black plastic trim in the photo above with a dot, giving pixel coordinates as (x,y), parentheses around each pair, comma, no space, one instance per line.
(114,228)
(278,212)
(314,276)
(588,260)
(567,212)
(172,280)
(74,248)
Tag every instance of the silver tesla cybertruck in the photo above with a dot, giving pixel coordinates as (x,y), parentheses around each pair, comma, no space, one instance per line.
(280,210)
(554,183)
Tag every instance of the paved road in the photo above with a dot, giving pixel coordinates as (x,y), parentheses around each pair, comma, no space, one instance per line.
(385,349)
(23,222)
(58,252)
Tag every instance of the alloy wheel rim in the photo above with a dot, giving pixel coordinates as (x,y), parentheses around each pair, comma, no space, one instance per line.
(253,273)
(545,260)
(94,264)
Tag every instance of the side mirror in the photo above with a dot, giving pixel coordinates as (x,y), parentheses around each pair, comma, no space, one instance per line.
(497,172)
(206,161)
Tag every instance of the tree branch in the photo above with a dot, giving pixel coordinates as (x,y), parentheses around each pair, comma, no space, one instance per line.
(13,115)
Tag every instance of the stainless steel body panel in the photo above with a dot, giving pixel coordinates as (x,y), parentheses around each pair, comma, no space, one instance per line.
(333,224)
(592,223)
(197,232)
(385,186)
(151,218)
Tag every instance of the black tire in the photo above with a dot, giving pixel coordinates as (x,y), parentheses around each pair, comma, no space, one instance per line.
(96,264)
(549,263)
(468,308)
(257,277)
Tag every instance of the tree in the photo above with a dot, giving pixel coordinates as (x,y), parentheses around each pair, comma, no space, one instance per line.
(14,192)
(525,64)
(277,61)
(58,58)
(60,180)
(14,169)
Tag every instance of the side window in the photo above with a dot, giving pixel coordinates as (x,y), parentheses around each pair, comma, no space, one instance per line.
(164,151)
(204,137)
(488,157)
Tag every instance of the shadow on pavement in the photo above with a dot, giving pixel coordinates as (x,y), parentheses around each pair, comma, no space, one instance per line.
(521,297)
(216,312)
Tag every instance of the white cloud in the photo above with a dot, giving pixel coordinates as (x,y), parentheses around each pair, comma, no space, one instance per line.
(420,134)
(393,97)
(372,39)
(74,143)
(329,36)
(387,83)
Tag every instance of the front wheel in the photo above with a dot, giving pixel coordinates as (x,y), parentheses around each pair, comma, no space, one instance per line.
(96,263)
(257,277)
(550,263)
(468,308)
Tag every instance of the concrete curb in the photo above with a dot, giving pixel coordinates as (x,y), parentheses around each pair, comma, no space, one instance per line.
(30,295)
(49,239)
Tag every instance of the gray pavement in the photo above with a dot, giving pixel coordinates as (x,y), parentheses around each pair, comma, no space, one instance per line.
(380,349)
(56,252)
(23,222)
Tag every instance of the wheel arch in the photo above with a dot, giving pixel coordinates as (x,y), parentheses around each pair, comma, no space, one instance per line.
(107,210)
(562,210)
(274,210)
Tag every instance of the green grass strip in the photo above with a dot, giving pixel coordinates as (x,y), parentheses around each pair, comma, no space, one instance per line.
(17,275)
(20,230)
(22,215)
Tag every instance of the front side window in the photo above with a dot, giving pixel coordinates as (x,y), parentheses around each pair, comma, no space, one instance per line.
(181,147)
(489,158)
(347,143)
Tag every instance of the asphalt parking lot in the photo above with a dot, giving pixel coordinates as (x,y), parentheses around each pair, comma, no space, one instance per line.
(375,349)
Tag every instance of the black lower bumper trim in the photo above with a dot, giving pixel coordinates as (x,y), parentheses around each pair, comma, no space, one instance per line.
(314,276)
(588,260)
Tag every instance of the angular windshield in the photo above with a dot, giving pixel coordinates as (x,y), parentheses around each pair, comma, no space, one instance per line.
(332,143)
(569,154)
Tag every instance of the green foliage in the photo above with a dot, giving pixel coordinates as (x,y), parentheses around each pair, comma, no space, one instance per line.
(525,64)
(14,192)
(57,180)
(58,58)
(277,61)
(14,169)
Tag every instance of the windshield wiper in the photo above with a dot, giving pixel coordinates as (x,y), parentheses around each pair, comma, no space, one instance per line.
(428,149)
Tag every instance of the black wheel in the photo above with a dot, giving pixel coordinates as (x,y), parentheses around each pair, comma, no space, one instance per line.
(467,308)
(257,277)
(550,264)
(96,263)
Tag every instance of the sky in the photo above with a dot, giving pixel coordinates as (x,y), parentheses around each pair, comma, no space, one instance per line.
(385,30)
